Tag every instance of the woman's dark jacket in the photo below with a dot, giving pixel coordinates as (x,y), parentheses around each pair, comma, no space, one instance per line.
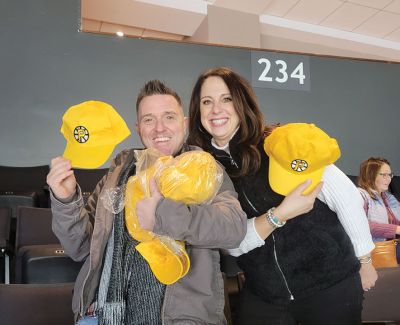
(310,253)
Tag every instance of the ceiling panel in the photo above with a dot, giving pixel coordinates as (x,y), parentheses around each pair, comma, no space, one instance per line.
(348,16)
(249,6)
(378,4)
(380,25)
(394,6)
(395,37)
(311,11)
(279,7)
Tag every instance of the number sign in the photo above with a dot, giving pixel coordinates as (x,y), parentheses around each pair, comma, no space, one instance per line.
(280,71)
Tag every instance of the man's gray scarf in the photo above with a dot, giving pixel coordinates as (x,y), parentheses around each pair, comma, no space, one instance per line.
(128,291)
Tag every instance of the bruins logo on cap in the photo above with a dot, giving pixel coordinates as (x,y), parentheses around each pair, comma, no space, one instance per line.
(299,165)
(81,134)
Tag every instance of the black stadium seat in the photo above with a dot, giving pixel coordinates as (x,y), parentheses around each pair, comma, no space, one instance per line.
(5,221)
(39,255)
(25,180)
(381,303)
(353,179)
(88,179)
(395,186)
(34,227)
(28,304)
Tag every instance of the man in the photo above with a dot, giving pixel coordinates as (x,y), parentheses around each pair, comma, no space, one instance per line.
(115,284)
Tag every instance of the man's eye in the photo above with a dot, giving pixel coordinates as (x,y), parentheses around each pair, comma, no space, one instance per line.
(147,120)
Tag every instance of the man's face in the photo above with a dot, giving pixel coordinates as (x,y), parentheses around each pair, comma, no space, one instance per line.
(161,123)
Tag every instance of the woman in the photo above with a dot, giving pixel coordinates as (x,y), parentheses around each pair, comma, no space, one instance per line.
(297,272)
(381,207)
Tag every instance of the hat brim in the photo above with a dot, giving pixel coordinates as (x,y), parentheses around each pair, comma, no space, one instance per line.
(283,181)
(167,265)
(87,156)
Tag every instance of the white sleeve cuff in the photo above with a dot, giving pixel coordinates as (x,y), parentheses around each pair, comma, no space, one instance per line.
(251,241)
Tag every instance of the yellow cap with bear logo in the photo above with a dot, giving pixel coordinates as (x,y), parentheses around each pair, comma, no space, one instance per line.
(92,130)
(297,152)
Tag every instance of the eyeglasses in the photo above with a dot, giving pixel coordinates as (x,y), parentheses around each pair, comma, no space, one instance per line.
(386,175)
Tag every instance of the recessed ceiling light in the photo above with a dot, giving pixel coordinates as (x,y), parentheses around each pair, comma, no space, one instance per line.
(119,33)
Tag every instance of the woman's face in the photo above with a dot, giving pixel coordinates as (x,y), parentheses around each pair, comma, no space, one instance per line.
(218,115)
(383,178)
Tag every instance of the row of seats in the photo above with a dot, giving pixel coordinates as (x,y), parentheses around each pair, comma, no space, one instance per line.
(36,304)
(43,275)
(41,271)
(26,187)
(51,303)
(39,264)
(32,259)
(37,253)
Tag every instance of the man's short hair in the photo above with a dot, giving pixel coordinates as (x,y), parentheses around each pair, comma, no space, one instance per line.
(155,87)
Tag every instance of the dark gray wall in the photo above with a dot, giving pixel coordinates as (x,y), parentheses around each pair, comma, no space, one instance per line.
(46,66)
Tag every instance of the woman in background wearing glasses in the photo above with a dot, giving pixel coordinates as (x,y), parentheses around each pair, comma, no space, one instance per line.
(381,207)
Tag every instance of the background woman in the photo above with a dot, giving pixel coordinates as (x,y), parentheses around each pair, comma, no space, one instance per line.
(381,207)
(306,270)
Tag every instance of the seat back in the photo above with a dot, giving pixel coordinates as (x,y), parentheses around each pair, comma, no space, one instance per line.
(22,180)
(353,178)
(45,264)
(36,304)
(34,227)
(233,283)
(39,256)
(5,221)
(13,200)
(395,187)
(381,303)
(88,179)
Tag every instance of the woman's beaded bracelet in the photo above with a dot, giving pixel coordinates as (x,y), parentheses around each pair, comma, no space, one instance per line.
(273,220)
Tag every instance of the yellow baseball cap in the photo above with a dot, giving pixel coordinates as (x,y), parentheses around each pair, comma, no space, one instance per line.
(297,152)
(92,130)
(168,260)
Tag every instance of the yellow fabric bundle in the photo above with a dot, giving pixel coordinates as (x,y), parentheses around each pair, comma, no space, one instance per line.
(134,193)
(191,178)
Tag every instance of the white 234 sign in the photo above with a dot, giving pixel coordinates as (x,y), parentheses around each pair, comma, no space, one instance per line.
(283,76)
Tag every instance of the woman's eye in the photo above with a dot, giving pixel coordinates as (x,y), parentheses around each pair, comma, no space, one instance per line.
(227,99)
(206,102)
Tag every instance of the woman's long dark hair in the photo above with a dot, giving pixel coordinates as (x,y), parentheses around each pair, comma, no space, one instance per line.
(251,129)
